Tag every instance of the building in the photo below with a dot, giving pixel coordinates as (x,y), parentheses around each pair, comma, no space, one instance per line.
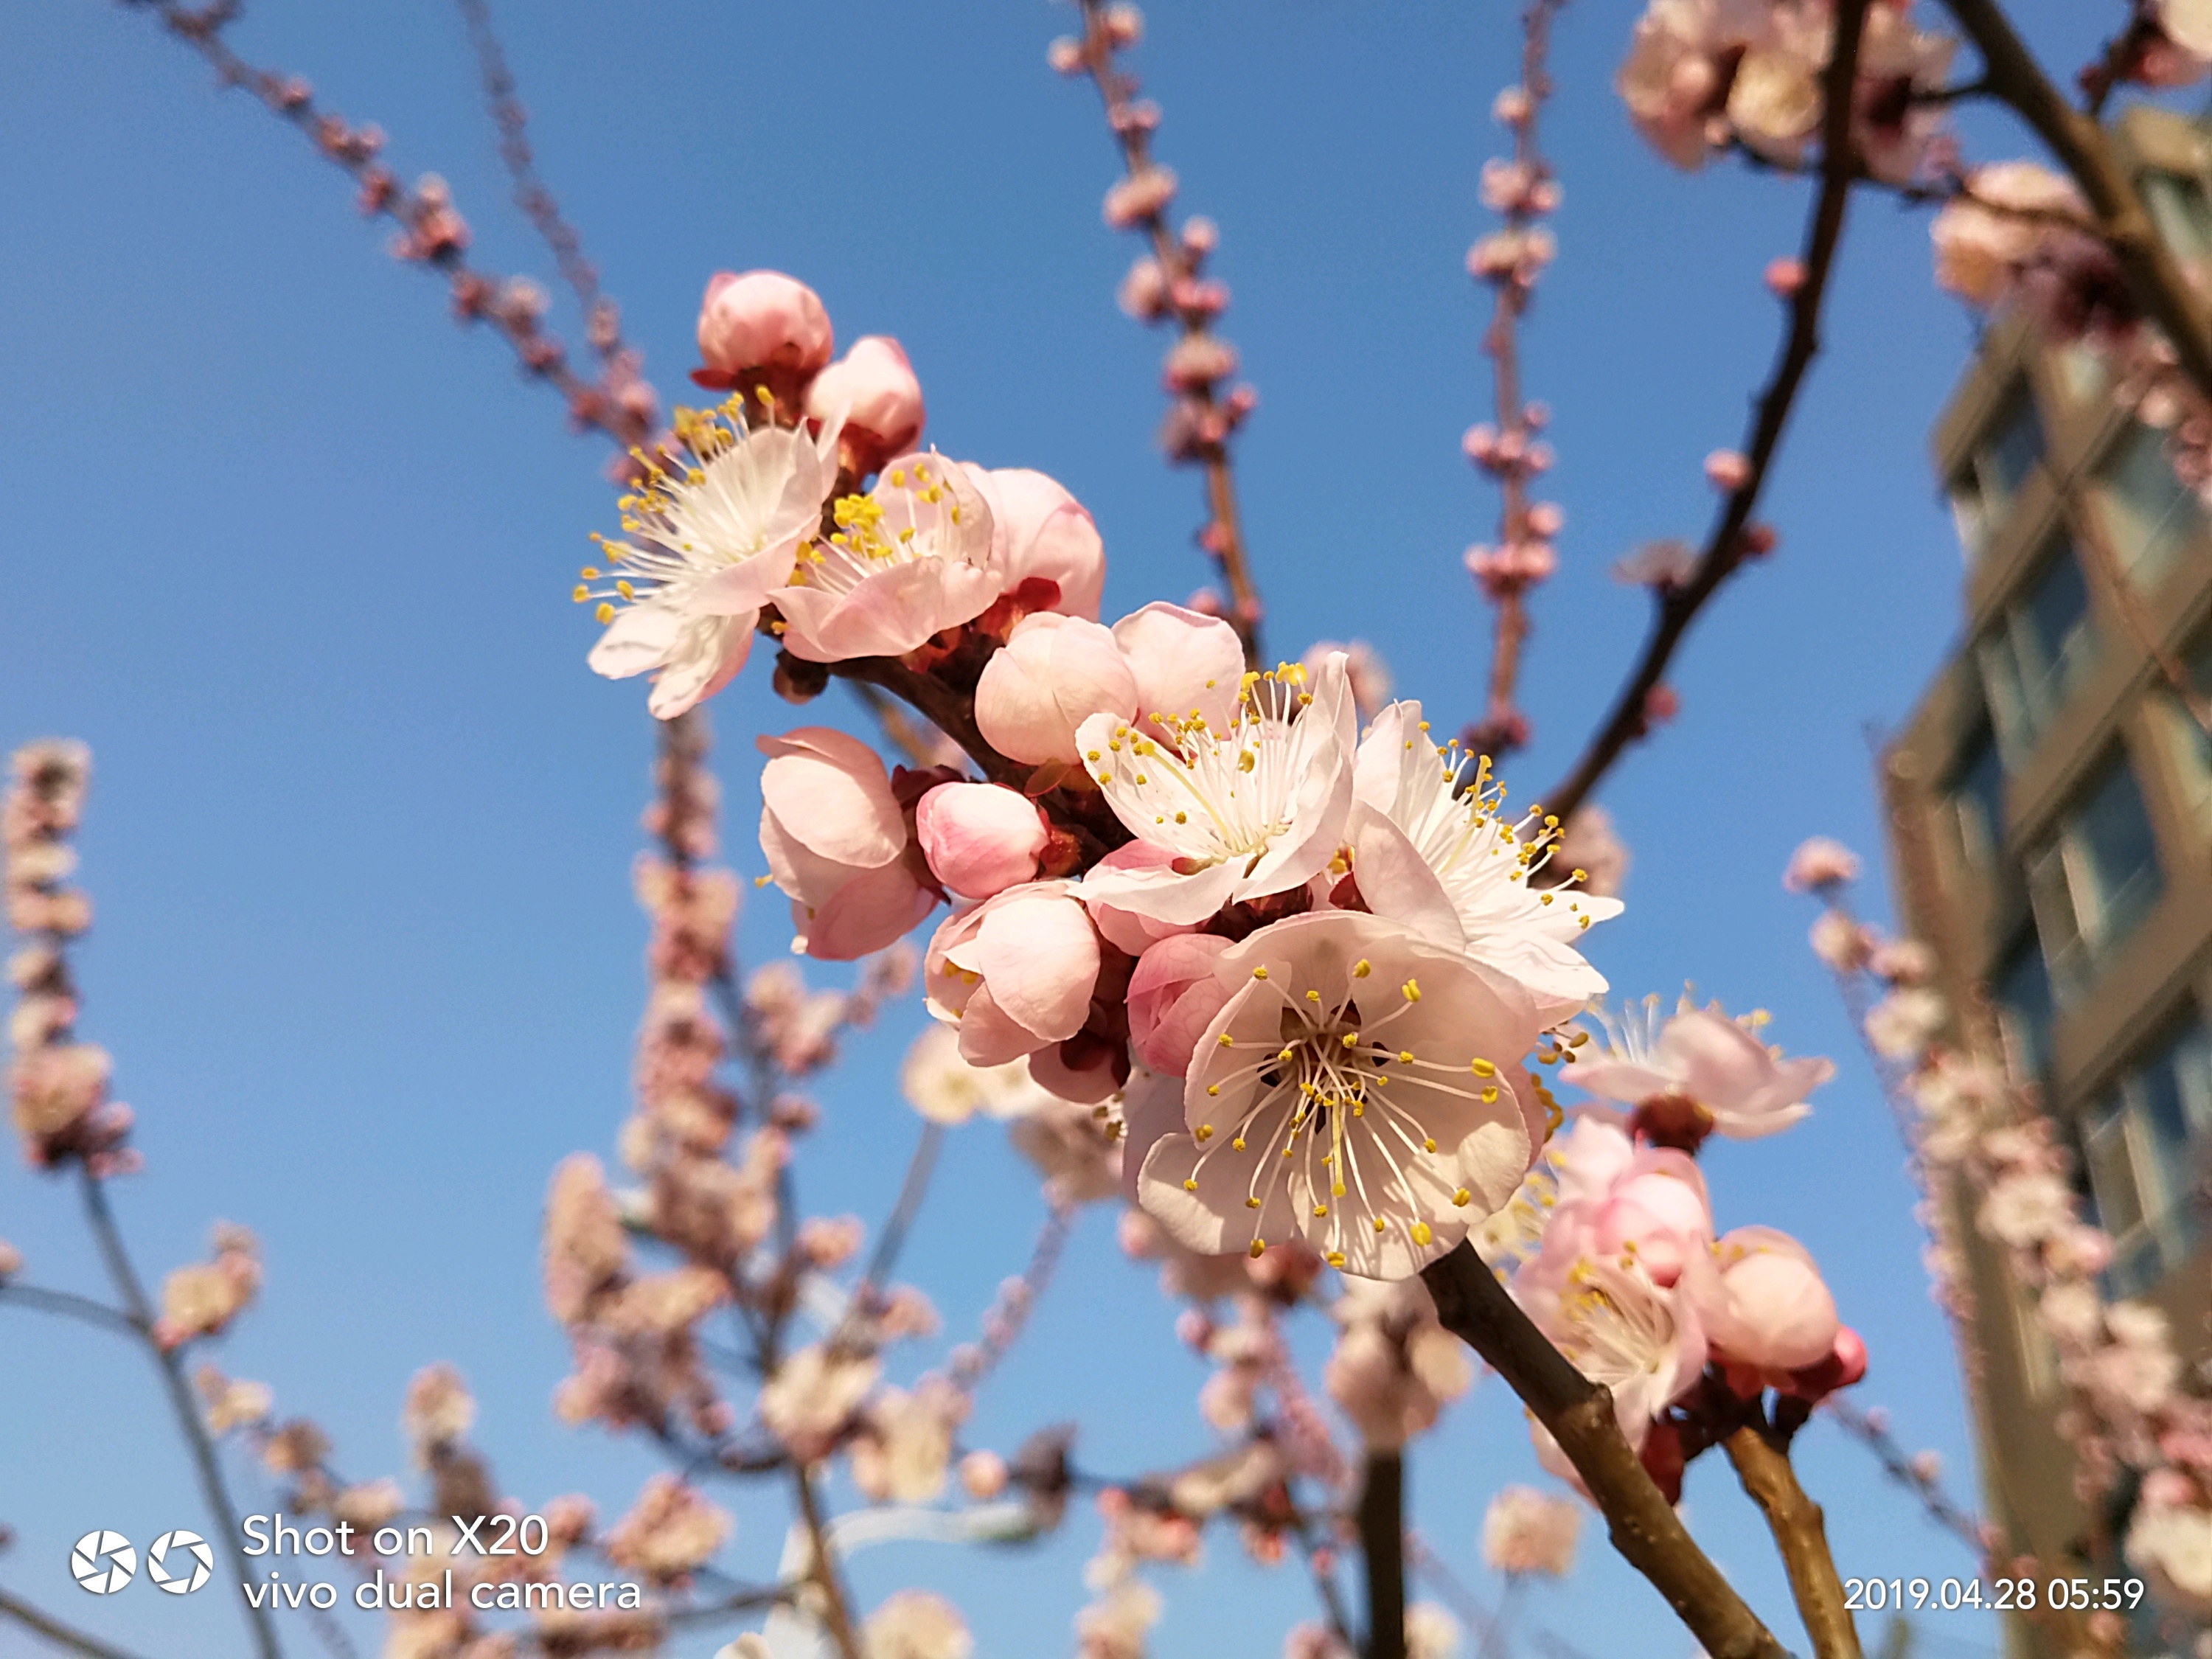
(2050,822)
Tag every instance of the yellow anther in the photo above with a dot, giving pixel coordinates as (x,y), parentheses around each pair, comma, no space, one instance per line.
(1252,1204)
(1411,990)
(1258,1245)
(1189,1186)
(1381,1225)
(1259,973)
(1422,1235)
(1428,1143)
(1462,1198)
(1321,1209)
(1361,968)
(1213,1088)
(1352,1039)
(581,593)
(1227,1041)
(1313,996)
(1490,1094)
(605,613)
(1204,1132)
(1334,1258)
(1238,1145)
(1405,1056)
(1482,1068)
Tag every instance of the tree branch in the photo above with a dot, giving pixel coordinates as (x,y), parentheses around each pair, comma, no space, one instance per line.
(2154,277)
(69,1305)
(1474,1307)
(1224,536)
(836,1611)
(69,1640)
(1382,1547)
(1726,548)
(1795,1519)
(186,1409)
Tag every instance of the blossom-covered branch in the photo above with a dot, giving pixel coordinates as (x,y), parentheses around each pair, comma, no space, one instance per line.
(1679,594)
(1525,192)
(432,234)
(1170,285)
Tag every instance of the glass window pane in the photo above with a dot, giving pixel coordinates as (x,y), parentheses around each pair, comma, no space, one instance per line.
(2054,613)
(2117,858)
(2111,1172)
(2011,450)
(1978,799)
(2148,512)
(2024,1008)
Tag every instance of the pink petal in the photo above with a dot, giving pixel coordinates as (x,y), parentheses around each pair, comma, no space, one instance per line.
(1040,960)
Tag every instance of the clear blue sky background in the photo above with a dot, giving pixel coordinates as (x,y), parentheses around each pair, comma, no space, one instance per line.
(291,552)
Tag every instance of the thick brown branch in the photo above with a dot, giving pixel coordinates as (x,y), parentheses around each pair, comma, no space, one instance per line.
(64,1637)
(2083,147)
(1578,1414)
(1382,1547)
(1726,548)
(1795,1519)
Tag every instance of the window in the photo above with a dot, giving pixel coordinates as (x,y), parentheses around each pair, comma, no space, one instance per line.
(2095,879)
(2148,514)
(1976,798)
(2148,1149)
(2195,741)
(2000,464)
(2024,1008)
(2179,208)
(2037,652)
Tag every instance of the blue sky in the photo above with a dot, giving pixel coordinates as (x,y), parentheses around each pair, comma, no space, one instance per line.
(291,551)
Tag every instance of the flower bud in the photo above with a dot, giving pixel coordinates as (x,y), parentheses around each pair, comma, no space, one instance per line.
(1173,997)
(762,320)
(980,838)
(1054,673)
(875,387)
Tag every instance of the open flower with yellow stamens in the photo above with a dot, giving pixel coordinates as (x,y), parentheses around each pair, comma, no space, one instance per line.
(1255,809)
(1357,1090)
(1642,1342)
(1452,864)
(710,531)
(910,558)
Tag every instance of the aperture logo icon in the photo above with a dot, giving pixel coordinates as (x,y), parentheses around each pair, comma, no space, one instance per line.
(103,1562)
(180,1562)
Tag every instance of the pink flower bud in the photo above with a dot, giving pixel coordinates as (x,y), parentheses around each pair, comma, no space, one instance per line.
(1055,672)
(1762,1301)
(1137,197)
(1039,530)
(1173,997)
(1546,518)
(1144,292)
(1819,862)
(1197,361)
(1846,1364)
(1064,55)
(875,388)
(982,1475)
(836,839)
(1784,276)
(1200,236)
(1125,24)
(763,319)
(1727,469)
(980,838)
(1512,106)
(1015,973)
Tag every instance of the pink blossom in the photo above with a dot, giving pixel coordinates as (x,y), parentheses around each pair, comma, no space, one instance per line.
(910,559)
(1449,864)
(1512,107)
(1055,674)
(1186,666)
(1820,863)
(1040,531)
(203,1300)
(1173,997)
(1640,1340)
(763,319)
(1762,1301)
(873,389)
(980,838)
(1905,1021)
(1405,1048)
(1840,942)
(1290,752)
(1526,1531)
(811,1398)
(1395,1367)
(1727,469)
(1617,1199)
(668,1532)
(2000,225)
(945,1088)
(1014,973)
(982,1475)
(915,1625)
(836,840)
(1700,1073)
(1132,200)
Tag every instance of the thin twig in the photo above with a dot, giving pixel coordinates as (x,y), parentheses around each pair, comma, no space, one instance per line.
(837,1609)
(1942,1507)
(620,405)
(69,1305)
(602,321)
(1578,1413)
(890,1239)
(1383,1549)
(64,1637)
(186,1409)
(1224,536)
(1764,1468)
(1501,725)
(1726,548)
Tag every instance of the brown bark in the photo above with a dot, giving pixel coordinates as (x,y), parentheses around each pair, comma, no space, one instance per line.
(1795,1519)
(1383,1546)
(1475,1307)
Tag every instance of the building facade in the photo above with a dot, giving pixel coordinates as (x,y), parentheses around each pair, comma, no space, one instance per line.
(2051,822)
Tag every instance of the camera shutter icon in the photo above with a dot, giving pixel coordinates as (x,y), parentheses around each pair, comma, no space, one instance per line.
(180,1562)
(103,1562)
